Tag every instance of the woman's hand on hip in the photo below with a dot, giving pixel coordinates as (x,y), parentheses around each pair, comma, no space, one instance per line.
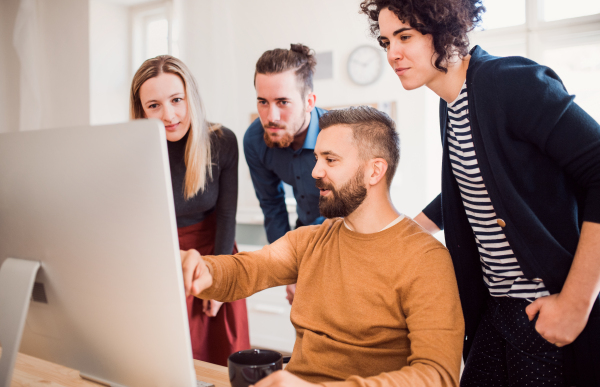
(563,316)
(559,321)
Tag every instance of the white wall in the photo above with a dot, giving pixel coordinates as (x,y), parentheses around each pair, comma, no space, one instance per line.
(63,68)
(222,40)
(9,68)
(84,67)
(64,27)
(110,52)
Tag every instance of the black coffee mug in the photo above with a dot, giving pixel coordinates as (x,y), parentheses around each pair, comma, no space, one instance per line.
(249,366)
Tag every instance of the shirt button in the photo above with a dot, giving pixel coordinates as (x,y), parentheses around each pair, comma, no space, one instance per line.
(298,177)
(501,223)
(295,156)
(537,280)
(301,196)
(307,212)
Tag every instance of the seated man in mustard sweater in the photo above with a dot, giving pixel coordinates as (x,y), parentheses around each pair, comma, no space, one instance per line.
(376,299)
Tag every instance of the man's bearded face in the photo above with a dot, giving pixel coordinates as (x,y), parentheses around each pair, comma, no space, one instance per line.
(282,107)
(344,201)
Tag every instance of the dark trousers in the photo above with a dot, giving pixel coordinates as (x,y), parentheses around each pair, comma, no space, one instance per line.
(508,351)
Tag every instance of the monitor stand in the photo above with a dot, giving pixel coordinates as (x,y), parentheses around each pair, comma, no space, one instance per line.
(16,284)
(98,380)
(103,382)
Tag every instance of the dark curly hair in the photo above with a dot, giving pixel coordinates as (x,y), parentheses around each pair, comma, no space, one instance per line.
(448,22)
(298,57)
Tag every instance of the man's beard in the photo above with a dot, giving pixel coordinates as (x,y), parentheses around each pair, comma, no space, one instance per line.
(346,200)
(284,141)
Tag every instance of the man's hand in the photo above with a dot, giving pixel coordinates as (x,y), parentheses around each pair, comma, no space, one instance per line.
(283,379)
(211,307)
(196,276)
(291,291)
(559,321)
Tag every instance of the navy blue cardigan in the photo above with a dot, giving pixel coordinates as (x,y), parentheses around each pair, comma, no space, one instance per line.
(539,155)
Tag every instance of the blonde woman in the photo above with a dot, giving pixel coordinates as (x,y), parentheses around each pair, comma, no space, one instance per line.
(204,168)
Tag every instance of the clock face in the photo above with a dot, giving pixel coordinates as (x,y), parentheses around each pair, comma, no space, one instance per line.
(365,65)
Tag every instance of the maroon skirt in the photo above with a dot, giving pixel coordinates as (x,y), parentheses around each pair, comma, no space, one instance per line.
(213,338)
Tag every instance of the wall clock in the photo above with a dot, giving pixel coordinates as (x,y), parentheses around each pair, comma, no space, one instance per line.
(365,65)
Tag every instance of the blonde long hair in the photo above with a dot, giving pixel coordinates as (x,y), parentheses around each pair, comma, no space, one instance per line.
(198,148)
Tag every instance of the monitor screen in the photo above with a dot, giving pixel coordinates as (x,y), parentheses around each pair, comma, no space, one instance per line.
(95,206)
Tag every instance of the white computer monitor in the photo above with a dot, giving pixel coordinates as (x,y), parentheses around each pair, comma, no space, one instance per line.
(95,206)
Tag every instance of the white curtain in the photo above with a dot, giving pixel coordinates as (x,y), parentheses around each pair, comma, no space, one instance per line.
(26,41)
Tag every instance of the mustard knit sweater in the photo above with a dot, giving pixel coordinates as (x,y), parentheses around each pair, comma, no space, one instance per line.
(376,309)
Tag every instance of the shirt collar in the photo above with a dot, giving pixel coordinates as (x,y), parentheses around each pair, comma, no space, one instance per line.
(313,131)
(393,223)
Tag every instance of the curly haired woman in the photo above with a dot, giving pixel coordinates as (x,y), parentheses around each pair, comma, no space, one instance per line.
(520,201)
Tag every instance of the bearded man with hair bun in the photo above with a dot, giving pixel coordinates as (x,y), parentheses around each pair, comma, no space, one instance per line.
(279,144)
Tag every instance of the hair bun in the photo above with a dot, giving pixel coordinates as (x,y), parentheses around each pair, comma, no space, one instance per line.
(301,49)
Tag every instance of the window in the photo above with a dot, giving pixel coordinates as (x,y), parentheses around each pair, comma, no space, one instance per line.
(558,9)
(579,68)
(151,29)
(157,37)
(503,13)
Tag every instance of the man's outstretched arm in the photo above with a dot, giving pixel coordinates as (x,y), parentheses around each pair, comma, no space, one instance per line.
(232,277)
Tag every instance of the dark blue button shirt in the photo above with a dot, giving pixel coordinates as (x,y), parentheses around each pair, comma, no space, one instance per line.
(269,167)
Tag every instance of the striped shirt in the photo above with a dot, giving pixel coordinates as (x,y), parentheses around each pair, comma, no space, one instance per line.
(501,271)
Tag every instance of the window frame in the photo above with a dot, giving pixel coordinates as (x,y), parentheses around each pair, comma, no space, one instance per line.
(140,17)
(537,34)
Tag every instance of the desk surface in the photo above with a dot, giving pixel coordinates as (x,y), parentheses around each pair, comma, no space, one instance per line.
(34,372)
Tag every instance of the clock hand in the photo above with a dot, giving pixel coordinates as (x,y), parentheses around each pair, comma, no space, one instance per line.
(363,64)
